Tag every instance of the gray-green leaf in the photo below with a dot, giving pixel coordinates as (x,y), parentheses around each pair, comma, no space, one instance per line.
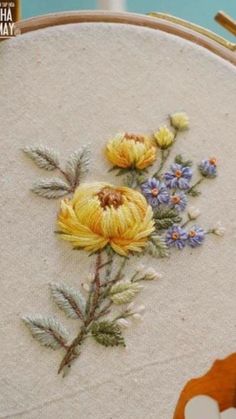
(47,331)
(44,157)
(165,218)
(51,188)
(124,293)
(157,247)
(69,300)
(107,334)
(77,165)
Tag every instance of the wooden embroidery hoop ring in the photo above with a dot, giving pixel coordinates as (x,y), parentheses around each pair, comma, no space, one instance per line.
(160,21)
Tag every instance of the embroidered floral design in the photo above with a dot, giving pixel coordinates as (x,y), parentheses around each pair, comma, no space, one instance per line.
(178,201)
(99,215)
(155,192)
(180,121)
(147,214)
(131,151)
(208,168)
(164,138)
(193,213)
(176,236)
(196,235)
(178,177)
(219,229)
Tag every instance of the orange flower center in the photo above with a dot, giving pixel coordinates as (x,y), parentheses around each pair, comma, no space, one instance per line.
(192,233)
(110,198)
(175,199)
(135,137)
(155,191)
(178,173)
(175,236)
(213,161)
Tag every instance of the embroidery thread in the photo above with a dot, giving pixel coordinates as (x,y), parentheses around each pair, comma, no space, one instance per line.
(147,214)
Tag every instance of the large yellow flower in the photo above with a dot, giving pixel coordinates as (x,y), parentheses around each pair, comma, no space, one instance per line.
(100,214)
(131,151)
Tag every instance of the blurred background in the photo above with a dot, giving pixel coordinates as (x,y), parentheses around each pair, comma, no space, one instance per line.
(201,12)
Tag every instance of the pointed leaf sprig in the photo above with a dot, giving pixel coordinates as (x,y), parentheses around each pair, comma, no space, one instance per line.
(77,165)
(44,157)
(69,300)
(51,188)
(48,159)
(47,331)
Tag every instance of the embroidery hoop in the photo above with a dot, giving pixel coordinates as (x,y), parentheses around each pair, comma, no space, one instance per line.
(161,21)
(168,27)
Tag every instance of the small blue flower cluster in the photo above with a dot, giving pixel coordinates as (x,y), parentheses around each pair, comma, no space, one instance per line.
(158,192)
(171,191)
(177,236)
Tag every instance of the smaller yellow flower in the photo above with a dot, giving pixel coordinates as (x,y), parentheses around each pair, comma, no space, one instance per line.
(131,151)
(164,138)
(180,121)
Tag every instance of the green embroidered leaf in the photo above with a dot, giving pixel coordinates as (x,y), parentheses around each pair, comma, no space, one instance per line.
(77,165)
(165,218)
(122,171)
(69,300)
(47,331)
(186,163)
(51,188)
(194,192)
(124,293)
(44,157)
(157,247)
(107,334)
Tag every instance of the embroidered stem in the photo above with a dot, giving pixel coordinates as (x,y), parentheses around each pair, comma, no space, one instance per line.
(195,185)
(164,157)
(63,173)
(96,292)
(93,300)
(72,353)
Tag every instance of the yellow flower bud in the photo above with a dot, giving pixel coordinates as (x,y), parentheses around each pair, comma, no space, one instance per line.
(180,121)
(164,138)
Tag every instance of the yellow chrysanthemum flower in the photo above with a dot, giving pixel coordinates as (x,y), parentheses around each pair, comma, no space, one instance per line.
(164,138)
(180,121)
(131,151)
(100,214)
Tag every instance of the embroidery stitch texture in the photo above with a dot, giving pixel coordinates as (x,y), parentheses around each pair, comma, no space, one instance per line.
(147,214)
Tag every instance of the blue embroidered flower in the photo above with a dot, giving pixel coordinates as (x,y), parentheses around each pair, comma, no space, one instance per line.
(178,176)
(155,192)
(208,168)
(176,237)
(196,236)
(178,201)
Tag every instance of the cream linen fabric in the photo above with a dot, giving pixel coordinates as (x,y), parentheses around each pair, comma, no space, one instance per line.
(77,84)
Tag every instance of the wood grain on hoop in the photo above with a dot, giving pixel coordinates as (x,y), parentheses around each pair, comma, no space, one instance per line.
(45,21)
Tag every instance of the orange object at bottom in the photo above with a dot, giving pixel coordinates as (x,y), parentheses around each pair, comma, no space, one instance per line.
(219,383)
